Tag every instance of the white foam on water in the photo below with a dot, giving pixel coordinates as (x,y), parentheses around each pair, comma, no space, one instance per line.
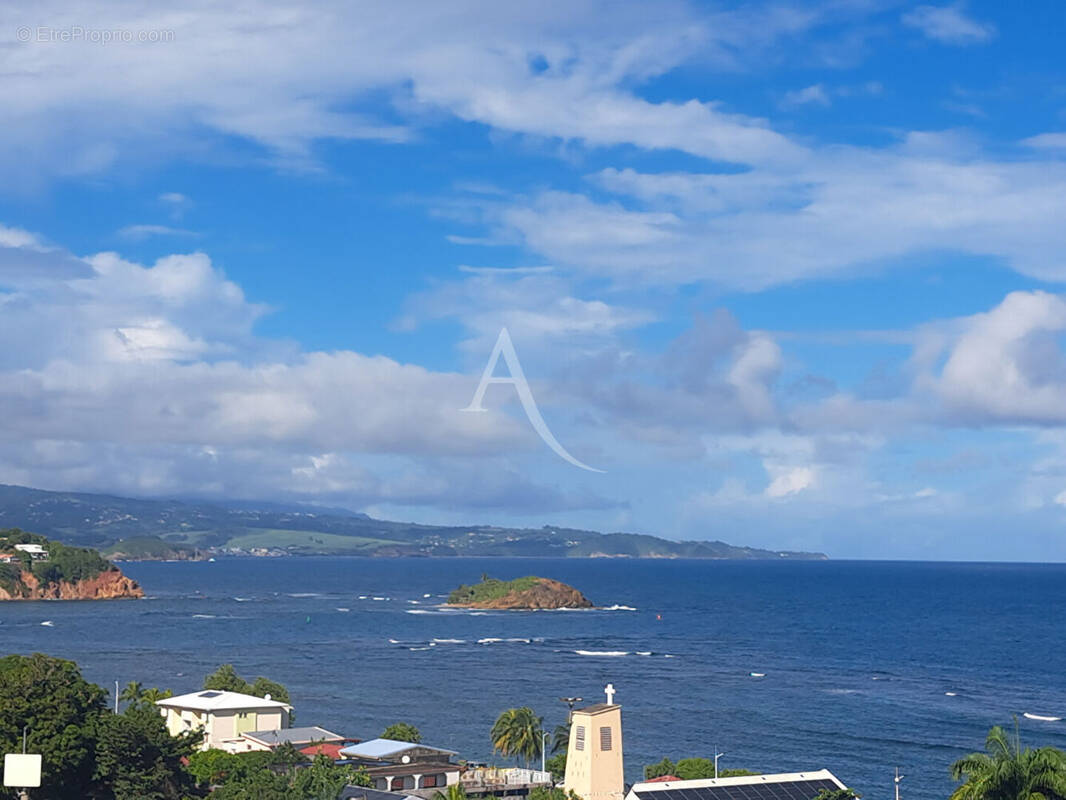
(203,616)
(450,641)
(604,653)
(1041,717)
(344,609)
(644,652)
(618,608)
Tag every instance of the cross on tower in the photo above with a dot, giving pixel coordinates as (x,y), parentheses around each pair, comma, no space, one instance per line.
(609,689)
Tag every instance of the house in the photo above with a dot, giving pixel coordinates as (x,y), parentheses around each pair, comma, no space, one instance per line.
(484,781)
(224,717)
(363,793)
(35,551)
(298,737)
(785,786)
(8,558)
(403,766)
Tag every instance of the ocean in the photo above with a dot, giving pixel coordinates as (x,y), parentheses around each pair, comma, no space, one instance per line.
(867,665)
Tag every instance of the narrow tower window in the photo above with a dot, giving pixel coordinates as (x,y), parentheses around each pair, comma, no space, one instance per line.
(605,738)
(579,738)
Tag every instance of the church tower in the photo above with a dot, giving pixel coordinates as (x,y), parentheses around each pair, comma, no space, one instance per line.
(594,757)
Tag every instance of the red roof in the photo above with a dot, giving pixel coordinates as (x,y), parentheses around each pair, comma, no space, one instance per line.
(663,779)
(331,749)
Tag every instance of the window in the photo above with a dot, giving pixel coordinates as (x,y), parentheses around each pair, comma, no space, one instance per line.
(430,781)
(605,738)
(579,738)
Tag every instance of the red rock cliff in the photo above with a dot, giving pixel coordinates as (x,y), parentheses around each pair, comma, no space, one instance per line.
(108,585)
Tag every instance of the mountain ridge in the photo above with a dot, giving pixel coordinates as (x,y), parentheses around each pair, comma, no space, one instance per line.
(199,528)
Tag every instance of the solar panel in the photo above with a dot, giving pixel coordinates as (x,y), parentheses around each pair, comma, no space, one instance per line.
(784,790)
(210,694)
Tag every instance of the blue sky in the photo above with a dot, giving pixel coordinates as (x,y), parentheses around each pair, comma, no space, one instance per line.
(791,274)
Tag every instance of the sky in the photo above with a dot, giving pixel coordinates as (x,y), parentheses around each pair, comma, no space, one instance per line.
(787,275)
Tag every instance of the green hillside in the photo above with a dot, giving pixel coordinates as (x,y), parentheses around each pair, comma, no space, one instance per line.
(138,528)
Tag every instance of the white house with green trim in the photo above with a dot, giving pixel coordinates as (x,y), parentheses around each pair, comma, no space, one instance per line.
(223,716)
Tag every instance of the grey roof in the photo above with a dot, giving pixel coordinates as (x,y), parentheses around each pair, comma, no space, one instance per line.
(786,786)
(598,708)
(294,735)
(386,748)
(363,793)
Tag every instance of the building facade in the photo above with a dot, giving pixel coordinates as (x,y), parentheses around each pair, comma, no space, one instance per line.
(223,716)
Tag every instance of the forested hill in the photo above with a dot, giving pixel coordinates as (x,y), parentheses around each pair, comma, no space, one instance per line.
(140,528)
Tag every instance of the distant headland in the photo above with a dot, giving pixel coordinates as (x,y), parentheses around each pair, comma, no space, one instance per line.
(521,594)
(171,530)
(34,568)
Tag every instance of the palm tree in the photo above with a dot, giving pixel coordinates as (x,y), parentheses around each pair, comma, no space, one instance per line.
(1007,772)
(561,738)
(453,792)
(517,733)
(153,694)
(132,693)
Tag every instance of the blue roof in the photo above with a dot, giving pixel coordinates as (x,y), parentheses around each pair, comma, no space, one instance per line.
(385,748)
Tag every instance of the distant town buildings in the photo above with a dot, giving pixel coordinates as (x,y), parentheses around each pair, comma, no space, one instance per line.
(239,723)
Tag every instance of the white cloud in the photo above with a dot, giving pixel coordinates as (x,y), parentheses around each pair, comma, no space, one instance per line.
(145,231)
(949,24)
(815,94)
(147,373)
(1047,141)
(223,76)
(1008,364)
(846,209)
(789,482)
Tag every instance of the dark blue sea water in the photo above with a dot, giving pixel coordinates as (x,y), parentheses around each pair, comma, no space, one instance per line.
(858,656)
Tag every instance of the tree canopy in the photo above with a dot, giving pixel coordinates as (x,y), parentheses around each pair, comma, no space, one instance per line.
(226,679)
(690,769)
(403,732)
(1006,771)
(60,710)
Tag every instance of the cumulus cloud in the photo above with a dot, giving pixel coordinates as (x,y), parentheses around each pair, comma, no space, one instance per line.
(1008,363)
(153,375)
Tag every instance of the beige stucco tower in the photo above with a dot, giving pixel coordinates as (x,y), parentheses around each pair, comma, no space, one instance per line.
(594,757)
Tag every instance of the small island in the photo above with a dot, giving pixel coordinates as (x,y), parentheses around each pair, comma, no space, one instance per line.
(35,568)
(521,594)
